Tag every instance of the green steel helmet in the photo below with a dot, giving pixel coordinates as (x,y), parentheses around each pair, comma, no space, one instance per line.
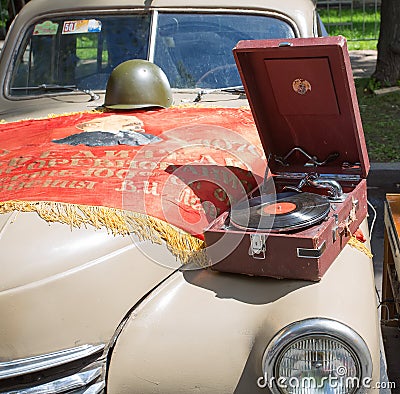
(137,84)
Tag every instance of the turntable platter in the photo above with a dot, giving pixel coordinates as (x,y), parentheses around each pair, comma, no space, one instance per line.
(285,213)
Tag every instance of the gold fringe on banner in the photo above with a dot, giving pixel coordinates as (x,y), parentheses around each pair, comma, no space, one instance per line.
(355,243)
(182,245)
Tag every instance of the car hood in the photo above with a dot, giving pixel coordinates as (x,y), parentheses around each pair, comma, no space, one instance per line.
(69,286)
(34,250)
(42,107)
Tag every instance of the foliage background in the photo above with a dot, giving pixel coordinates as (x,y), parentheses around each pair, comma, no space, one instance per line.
(360,26)
(380,114)
(3,17)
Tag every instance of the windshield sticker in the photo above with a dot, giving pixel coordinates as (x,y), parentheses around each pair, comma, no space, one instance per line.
(81,26)
(47,28)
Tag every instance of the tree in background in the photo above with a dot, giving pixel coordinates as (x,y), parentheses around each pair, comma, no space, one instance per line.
(387,71)
(3,18)
(8,10)
(13,7)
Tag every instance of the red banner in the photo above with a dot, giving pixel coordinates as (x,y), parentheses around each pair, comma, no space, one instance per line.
(181,165)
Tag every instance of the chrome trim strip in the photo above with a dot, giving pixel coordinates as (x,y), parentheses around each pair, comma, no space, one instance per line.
(24,366)
(63,385)
(96,388)
(153,34)
(316,326)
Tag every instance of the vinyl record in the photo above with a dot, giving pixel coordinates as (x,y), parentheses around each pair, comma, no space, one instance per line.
(285,212)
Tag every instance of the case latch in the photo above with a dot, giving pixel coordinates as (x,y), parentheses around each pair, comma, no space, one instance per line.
(257,246)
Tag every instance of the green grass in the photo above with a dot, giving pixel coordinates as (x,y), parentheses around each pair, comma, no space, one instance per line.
(360,29)
(381,122)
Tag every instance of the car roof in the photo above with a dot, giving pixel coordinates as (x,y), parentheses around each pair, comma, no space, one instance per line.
(301,12)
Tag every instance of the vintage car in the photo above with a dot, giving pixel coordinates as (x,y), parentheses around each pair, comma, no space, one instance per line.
(105,286)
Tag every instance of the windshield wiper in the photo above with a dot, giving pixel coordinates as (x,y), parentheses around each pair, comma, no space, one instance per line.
(47,87)
(230,89)
(233,89)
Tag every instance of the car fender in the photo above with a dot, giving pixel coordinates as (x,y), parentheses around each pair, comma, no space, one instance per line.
(215,327)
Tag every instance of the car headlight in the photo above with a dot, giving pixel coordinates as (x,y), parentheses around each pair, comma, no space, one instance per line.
(316,356)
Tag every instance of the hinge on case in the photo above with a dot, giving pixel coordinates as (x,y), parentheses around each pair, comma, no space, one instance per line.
(257,246)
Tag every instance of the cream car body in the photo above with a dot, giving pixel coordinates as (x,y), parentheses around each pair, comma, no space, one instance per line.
(83,298)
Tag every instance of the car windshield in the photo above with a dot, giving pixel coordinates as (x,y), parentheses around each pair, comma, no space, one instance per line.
(79,53)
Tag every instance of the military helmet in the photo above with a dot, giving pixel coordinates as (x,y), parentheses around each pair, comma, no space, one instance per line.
(137,84)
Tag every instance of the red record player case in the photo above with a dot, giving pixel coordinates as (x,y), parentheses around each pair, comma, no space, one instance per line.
(302,96)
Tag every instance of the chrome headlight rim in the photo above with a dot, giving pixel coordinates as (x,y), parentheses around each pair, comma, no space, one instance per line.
(316,327)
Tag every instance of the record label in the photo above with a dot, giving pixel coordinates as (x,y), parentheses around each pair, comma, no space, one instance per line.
(278,208)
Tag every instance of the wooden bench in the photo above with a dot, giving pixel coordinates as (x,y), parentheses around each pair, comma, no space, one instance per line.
(391,259)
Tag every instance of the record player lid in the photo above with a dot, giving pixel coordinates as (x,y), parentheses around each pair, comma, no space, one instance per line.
(302,95)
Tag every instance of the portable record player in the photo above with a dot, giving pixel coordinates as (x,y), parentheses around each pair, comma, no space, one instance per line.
(302,96)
